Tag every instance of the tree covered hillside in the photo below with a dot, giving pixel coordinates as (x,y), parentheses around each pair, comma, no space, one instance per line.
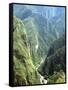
(39,44)
(55,63)
(24,70)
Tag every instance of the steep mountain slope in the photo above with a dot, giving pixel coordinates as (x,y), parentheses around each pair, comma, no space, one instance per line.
(24,70)
(59,43)
(33,42)
(43,26)
(58,25)
(55,62)
(39,39)
(46,11)
(39,36)
(22,12)
(55,16)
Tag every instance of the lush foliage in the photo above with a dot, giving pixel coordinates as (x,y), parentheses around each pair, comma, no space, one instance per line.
(24,70)
(39,44)
(54,62)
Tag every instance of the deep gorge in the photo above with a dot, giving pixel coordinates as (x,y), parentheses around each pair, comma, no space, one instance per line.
(39,45)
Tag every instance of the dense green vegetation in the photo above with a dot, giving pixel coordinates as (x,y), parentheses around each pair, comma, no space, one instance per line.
(38,45)
(39,34)
(24,70)
(55,62)
(57,77)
